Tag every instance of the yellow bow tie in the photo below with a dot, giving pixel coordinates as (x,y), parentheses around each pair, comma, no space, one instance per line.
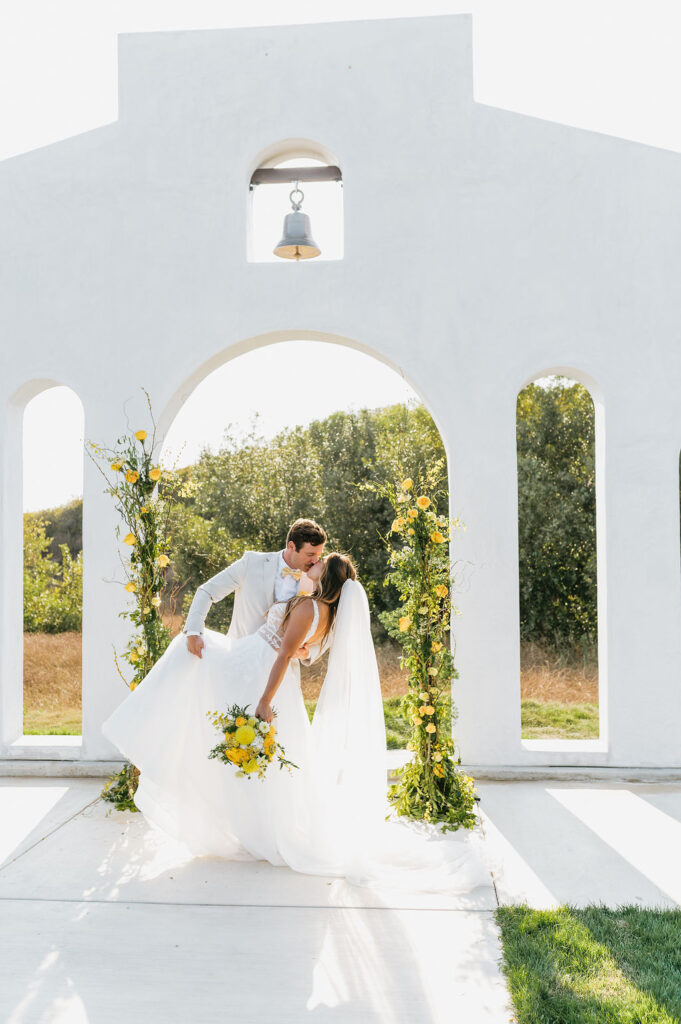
(296,573)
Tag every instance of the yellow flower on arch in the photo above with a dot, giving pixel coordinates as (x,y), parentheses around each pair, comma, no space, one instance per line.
(132,476)
(407,484)
(140,434)
(131,587)
(163,560)
(155,474)
(405,623)
(130,539)
(437,537)
(422,501)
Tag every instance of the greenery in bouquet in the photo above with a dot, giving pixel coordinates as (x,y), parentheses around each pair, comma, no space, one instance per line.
(249,743)
(431,787)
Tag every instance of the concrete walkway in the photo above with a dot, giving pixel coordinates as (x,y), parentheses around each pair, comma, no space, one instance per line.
(104,920)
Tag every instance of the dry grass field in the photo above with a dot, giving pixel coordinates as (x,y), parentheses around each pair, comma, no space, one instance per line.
(52,682)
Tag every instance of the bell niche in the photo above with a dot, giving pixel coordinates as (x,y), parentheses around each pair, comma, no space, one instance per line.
(296,208)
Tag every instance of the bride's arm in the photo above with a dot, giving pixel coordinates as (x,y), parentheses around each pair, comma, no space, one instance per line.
(297,626)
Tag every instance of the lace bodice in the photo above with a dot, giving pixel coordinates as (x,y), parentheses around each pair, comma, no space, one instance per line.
(270,629)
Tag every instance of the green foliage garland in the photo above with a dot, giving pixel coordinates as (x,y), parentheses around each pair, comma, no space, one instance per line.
(144,494)
(431,787)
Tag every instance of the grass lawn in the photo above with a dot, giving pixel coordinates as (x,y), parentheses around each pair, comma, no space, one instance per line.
(540,719)
(592,966)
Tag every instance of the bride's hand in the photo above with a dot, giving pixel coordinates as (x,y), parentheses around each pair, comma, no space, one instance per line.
(302,652)
(264,711)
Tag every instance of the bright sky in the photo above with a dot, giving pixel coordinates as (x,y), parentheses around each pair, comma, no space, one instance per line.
(606,65)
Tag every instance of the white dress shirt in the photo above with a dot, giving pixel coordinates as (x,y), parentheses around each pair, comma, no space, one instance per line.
(284,586)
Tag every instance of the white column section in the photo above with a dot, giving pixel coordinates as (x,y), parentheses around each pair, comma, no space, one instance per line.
(11,575)
(641,625)
(480,439)
(103,590)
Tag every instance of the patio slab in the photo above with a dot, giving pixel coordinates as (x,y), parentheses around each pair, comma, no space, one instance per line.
(580,843)
(105,918)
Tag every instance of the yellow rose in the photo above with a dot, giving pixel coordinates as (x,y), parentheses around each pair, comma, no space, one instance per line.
(130,539)
(132,476)
(156,601)
(410,745)
(437,646)
(417,721)
(134,656)
(116,466)
(430,710)
(437,756)
(422,709)
(131,587)
(410,531)
(163,560)
(441,590)
(405,623)
(423,696)
(423,502)
(245,734)
(407,484)
(432,671)
(241,720)
(430,727)
(155,474)
(412,513)
(437,537)
(140,435)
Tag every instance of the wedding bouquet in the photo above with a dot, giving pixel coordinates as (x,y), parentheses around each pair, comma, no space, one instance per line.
(249,743)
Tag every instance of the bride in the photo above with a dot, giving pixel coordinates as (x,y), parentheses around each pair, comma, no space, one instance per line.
(328,814)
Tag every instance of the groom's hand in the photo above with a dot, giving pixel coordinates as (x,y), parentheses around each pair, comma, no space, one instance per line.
(195,645)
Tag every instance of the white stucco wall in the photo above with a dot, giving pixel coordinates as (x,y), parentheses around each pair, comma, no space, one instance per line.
(482,248)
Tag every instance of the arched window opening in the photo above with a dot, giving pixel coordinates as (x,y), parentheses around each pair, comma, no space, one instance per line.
(273,198)
(52,574)
(255,461)
(555,433)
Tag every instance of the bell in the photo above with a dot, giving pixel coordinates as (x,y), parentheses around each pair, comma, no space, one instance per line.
(297,242)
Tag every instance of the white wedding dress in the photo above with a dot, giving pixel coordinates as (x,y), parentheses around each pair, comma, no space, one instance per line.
(328,815)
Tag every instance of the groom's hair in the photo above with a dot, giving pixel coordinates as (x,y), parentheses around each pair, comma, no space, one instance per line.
(306,531)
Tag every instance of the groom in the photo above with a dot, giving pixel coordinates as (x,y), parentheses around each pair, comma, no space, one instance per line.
(259,580)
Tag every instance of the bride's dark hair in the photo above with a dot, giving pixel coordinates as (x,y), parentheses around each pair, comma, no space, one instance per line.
(337,569)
